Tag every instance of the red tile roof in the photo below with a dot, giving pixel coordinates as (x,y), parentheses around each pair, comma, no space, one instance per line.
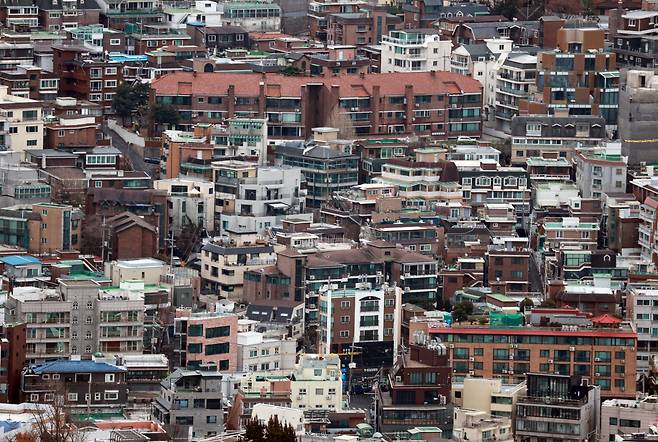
(217,83)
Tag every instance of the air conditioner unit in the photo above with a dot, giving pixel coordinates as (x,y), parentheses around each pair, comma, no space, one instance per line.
(354,109)
(407,289)
(398,379)
(504,371)
(572,348)
(510,372)
(597,359)
(311,276)
(550,361)
(597,374)
(452,345)
(472,373)
(511,357)
(417,105)
(472,359)
(406,275)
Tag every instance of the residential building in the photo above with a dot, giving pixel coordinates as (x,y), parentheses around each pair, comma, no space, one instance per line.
(477,29)
(319,10)
(567,232)
(415,50)
(514,82)
(89,385)
(85,78)
(257,352)
(245,137)
(129,236)
(205,340)
(317,383)
(559,407)
(32,82)
(192,401)
(337,60)
(223,265)
(69,131)
(634,42)
(187,153)
(55,17)
(21,124)
(20,16)
(508,265)
(601,171)
(640,300)
(365,318)
(192,201)
(637,104)
(478,426)
(605,356)
(419,392)
(253,16)
(594,90)
(366,27)
(13,54)
(22,270)
(540,135)
(85,317)
(490,396)
(378,104)
(627,416)
(251,198)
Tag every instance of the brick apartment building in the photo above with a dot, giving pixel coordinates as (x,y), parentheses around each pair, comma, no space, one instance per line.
(361,28)
(84,78)
(425,103)
(31,82)
(55,16)
(604,356)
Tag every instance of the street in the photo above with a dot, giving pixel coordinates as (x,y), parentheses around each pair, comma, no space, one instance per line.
(132,153)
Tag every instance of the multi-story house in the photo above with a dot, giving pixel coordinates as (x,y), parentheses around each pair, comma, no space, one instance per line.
(251,198)
(604,356)
(205,340)
(542,135)
(219,38)
(491,396)
(634,43)
(72,130)
(482,61)
(20,16)
(22,270)
(559,407)
(223,265)
(419,391)
(325,168)
(319,10)
(317,382)
(262,16)
(191,401)
(560,233)
(415,50)
(153,37)
(116,14)
(514,82)
(257,352)
(85,78)
(85,318)
(30,82)
(578,77)
(363,318)
(13,54)
(83,385)
(508,265)
(626,416)
(424,182)
(444,104)
(21,124)
(192,203)
(478,29)
(68,14)
(366,27)
(600,171)
(413,236)
(641,303)
(98,38)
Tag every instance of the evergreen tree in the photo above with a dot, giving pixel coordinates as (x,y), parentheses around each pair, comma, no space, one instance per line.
(254,431)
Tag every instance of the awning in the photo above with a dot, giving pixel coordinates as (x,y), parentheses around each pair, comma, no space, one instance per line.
(278,205)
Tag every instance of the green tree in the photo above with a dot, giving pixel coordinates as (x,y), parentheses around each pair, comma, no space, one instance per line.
(508,8)
(165,114)
(461,311)
(526,303)
(254,431)
(129,98)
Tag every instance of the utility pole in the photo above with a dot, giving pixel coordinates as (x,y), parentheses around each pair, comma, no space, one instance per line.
(171,241)
(103,240)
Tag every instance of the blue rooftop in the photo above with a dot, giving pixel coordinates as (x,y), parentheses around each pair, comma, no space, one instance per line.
(20,260)
(68,366)
(118,56)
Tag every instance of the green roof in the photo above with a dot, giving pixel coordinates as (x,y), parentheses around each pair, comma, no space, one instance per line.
(500,297)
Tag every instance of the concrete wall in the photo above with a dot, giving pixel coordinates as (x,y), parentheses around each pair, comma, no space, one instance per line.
(638,113)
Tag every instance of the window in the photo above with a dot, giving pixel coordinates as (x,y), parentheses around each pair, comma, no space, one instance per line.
(72,397)
(88,335)
(34,397)
(533,129)
(88,320)
(32,142)
(344,334)
(109,377)
(211,419)
(344,319)
(115,42)
(110,83)
(32,129)
(88,349)
(112,395)
(345,304)
(631,22)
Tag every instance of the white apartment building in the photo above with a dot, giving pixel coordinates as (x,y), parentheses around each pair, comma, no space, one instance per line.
(244,136)
(481,62)
(415,50)
(21,123)
(642,310)
(515,82)
(192,202)
(601,170)
(478,426)
(317,382)
(627,416)
(252,198)
(80,317)
(490,396)
(207,12)
(258,353)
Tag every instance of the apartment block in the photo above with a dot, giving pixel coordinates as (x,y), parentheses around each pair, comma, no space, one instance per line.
(21,124)
(363,317)
(556,234)
(603,356)
(192,401)
(634,43)
(378,104)
(319,10)
(192,203)
(627,416)
(490,396)
(257,352)
(81,318)
(415,50)
(641,303)
(558,407)
(205,340)
(601,171)
(514,82)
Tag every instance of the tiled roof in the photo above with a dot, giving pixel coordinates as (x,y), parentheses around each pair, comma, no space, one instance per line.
(217,83)
(68,366)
